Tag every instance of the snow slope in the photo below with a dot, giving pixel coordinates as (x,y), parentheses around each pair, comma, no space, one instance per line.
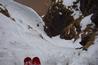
(25,37)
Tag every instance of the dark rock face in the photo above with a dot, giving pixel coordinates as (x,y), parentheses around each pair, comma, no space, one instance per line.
(56,19)
(85,6)
(94,19)
(88,7)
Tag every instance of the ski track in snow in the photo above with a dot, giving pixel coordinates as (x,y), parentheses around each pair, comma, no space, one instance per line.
(22,38)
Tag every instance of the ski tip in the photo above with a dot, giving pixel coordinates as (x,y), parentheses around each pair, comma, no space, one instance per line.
(36,61)
(27,59)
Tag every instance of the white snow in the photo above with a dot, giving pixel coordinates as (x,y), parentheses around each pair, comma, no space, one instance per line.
(68,2)
(85,21)
(22,38)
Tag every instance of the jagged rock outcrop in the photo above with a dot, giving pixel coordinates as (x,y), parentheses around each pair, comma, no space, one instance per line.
(57,18)
(72,30)
(88,36)
(58,21)
(88,7)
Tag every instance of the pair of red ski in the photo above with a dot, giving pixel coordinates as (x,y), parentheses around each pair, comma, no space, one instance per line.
(34,61)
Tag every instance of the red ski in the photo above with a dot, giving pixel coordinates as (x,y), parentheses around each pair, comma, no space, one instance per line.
(27,61)
(36,61)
